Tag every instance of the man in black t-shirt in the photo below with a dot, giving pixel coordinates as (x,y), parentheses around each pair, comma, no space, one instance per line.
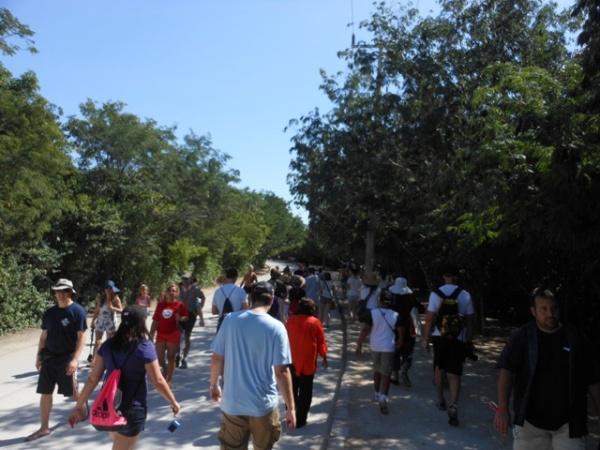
(61,343)
(551,368)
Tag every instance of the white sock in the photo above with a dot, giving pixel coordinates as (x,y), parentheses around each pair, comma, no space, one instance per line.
(383,398)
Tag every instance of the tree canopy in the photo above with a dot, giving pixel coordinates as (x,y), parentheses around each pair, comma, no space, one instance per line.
(107,195)
(463,137)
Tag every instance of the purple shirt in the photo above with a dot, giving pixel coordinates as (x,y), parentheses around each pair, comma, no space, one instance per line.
(133,374)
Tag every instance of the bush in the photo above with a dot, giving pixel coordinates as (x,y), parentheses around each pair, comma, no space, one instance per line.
(21,304)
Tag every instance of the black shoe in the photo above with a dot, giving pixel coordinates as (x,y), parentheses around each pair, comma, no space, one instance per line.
(383,408)
(405,379)
(177,360)
(453,415)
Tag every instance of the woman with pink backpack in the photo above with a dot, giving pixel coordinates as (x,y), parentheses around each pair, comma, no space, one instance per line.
(132,351)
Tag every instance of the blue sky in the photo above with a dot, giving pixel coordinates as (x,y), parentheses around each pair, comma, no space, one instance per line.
(237,70)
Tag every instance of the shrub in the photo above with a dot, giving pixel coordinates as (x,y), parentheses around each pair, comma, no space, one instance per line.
(21,304)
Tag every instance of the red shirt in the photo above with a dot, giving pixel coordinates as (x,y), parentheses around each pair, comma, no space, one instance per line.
(165,313)
(307,340)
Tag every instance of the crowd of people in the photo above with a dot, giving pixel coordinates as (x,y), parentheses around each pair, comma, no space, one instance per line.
(271,333)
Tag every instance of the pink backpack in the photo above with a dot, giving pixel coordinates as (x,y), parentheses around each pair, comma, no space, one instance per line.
(105,414)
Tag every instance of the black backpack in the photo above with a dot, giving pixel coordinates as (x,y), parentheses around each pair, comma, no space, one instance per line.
(448,320)
(227,308)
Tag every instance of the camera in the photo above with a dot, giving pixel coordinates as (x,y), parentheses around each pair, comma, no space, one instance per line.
(173,426)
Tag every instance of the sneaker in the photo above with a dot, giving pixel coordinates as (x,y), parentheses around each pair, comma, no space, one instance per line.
(383,407)
(405,379)
(183,364)
(453,415)
(202,323)
(177,360)
(441,405)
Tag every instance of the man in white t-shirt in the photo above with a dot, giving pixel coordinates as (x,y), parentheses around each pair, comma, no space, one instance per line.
(383,326)
(252,350)
(353,286)
(236,295)
(449,352)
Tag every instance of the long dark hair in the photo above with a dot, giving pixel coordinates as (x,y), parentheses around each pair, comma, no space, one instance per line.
(132,329)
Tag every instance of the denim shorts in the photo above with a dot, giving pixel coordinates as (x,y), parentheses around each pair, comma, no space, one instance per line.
(136,421)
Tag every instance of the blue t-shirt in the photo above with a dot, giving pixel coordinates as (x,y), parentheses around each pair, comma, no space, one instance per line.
(251,344)
(312,287)
(133,374)
(62,326)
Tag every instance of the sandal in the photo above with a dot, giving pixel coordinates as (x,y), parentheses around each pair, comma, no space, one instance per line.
(38,434)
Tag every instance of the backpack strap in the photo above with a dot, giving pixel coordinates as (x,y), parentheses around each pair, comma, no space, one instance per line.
(456,292)
(443,296)
(373,289)
(227,298)
(112,356)
(440,294)
(385,320)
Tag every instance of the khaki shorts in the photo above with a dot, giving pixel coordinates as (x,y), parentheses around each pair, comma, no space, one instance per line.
(235,431)
(529,437)
(383,362)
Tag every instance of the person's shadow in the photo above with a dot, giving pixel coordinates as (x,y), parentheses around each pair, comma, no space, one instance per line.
(19,440)
(25,375)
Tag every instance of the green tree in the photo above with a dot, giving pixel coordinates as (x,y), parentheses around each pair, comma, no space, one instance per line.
(286,232)
(34,181)
(10,30)
(412,149)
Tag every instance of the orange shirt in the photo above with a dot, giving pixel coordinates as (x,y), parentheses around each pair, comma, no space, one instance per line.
(307,340)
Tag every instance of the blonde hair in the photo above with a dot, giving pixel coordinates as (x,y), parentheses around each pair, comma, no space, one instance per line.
(172,285)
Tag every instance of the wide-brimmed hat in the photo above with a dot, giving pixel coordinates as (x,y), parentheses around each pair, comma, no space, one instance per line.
(110,284)
(63,284)
(371,279)
(399,287)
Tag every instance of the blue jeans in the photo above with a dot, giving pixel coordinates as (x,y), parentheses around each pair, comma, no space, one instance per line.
(136,421)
